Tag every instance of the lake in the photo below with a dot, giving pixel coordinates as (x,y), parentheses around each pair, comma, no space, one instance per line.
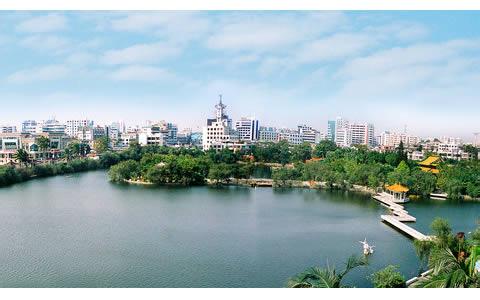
(83,231)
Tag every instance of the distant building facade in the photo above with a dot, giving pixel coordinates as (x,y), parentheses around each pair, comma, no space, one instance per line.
(247,129)
(219,132)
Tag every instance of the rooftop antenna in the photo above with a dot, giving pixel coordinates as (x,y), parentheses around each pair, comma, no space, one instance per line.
(220,107)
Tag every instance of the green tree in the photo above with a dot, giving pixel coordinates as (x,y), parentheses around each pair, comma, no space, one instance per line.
(422,183)
(448,257)
(101,145)
(448,272)
(43,144)
(220,173)
(323,148)
(472,150)
(325,277)
(389,277)
(301,152)
(124,170)
(281,176)
(392,159)
(401,153)
(401,174)
(22,157)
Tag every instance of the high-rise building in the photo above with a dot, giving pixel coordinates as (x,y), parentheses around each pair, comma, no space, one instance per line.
(268,134)
(342,137)
(161,130)
(120,126)
(309,134)
(73,125)
(219,134)
(331,131)
(393,139)
(52,127)
(29,126)
(247,129)
(293,137)
(362,134)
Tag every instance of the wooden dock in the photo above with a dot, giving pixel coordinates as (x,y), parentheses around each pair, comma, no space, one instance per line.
(397,210)
(395,222)
(398,216)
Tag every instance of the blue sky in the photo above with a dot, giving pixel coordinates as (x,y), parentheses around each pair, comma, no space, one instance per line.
(420,69)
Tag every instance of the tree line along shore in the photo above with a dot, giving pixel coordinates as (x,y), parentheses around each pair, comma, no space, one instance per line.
(325,165)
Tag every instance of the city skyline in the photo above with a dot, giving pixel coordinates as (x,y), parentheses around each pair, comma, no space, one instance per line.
(389,68)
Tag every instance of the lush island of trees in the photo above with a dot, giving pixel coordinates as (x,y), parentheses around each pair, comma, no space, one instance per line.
(324,162)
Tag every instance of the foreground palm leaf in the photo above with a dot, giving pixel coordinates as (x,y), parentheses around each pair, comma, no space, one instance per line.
(325,277)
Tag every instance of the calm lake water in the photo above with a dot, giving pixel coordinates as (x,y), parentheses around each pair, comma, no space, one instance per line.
(83,231)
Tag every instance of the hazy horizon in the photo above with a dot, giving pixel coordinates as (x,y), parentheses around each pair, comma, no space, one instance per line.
(419,69)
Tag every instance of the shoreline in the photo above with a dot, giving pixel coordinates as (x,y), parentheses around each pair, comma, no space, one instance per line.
(266,182)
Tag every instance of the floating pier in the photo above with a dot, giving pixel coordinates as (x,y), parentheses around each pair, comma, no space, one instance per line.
(396,219)
(395,222)
(398,216)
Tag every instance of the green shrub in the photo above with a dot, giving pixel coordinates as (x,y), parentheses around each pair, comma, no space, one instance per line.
(388,277)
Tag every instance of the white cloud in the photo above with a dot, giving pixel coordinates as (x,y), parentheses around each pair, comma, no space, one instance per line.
(140,54)
(263,32)
(335,47)
(45,73)
(46,43)
(141,73)
(399,57)
(174,25)
(45,23)
(399,31)
(80,59)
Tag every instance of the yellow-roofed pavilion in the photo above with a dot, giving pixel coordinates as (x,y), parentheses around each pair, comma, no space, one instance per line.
(430,164)
(398,192)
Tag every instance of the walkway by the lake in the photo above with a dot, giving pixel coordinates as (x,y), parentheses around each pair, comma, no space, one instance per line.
(399,215)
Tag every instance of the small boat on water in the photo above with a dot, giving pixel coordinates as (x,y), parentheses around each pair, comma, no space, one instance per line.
(367,249)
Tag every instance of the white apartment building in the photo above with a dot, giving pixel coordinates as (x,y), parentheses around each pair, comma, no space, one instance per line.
(219,134)
(342,134)
(293,137)
(268,134)
(310,135)
(74,125)
(8,128)
(51,126)
(416,155)
(126,139)
(146,139)
(85,134)
(247,129)
(29,126)
(153,132)
(9,144)
(348,134)
(451,140)
(362,134)
(393,139)
(450,150)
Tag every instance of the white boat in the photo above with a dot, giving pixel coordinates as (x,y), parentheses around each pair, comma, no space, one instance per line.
(367,249)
